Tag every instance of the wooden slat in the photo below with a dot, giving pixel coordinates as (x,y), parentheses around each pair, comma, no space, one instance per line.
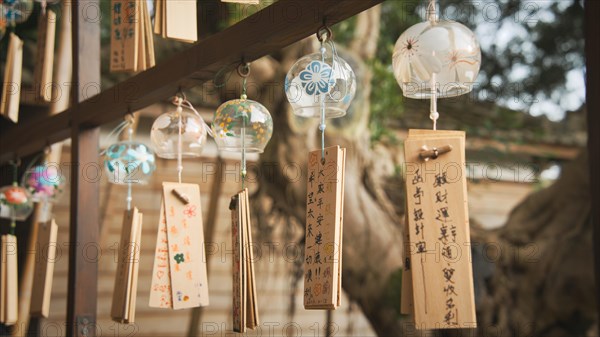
(267,31)
(592,51)
(85,193)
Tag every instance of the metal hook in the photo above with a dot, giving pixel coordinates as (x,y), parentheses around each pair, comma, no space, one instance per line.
(435,152)
(324,33)
(244,69)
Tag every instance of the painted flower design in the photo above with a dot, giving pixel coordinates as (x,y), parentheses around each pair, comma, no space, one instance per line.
(190,211)
(409,59)
(317,78)
(463,64)
(129,162)
(43,182)
(140,157)
(15,196)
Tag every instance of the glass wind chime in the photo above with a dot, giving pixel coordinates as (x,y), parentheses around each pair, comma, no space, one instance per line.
(245,126)
(13,12)
(179,278)
(128,162)
(437,59)
(16,204)
(322,85)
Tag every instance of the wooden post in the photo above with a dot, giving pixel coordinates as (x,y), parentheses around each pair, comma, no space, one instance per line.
(84,220)
(592,53)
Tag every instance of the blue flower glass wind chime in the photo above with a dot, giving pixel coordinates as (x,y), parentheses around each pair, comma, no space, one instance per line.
(322,85)
(437,59)
(128,162)
(245,126)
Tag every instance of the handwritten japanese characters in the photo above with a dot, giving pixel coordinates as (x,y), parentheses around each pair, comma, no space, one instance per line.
(438,229)
(245,312)
(324,226)
(131,40)
(179,278)
(125,290)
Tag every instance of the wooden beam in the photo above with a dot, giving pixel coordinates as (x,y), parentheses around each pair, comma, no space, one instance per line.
(263,33)
(84,217)
(592,53)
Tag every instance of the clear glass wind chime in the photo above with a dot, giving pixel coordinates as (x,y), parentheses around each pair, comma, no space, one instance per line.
(436,59)
(16,203)
(322,85)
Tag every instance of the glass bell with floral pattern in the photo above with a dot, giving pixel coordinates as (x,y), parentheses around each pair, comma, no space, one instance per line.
(320,80)
(129,162)
(242,123)
(44,182)
(15,203)
(445,53)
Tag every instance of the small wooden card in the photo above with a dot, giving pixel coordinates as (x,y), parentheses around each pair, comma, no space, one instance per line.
(245,308)
(9,282)
(180,281)
(176,19)
(45,55)
(132,44)
(125,290)
(324,227)
(45,257)
(11,87)
(442,276)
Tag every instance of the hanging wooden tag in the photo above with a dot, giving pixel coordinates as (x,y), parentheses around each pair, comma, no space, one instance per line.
(436,189)
(181,20)
(245,308)
(9,281)
(44,269)
(181,233)
(324,227)
(406,298)
(125,35)
(125,290)
(11,87)
(148,36)
(45,55)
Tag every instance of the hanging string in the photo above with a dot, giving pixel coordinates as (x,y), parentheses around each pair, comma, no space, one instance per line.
(244,72)
(433,113)
(324,36)
(180,100)
(129,138)
(117,131)
(13,216)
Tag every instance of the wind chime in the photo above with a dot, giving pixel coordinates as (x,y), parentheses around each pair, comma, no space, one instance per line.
(16,204)
(243,125)
(128,162)
(179,278)
(45,183)
(437,59)
(322,85)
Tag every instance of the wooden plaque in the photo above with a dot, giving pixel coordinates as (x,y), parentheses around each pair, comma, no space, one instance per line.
(125,35)
(181,20)
(11,87)
(44,269)
(440,256)
(160,290)
(9,281)
(323,245)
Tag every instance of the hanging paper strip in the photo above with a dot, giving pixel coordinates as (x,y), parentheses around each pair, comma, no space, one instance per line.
(324,226)
(176,19)
(9,286)
(45,55)
(44,269)
(179,279)
(11,87)
(245,312)
(440,258)
(126,280)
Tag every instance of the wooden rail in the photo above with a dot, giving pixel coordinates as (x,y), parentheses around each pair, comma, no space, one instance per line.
(263,33)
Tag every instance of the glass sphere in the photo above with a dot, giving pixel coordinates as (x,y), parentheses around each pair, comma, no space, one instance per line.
(129,162)
(447,49)
(15,11)
(44,182)
(311,81)
(15,201)
(242,123)
(165,135)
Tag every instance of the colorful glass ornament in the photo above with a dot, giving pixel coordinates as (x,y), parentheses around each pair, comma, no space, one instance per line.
(16,203)
(242,123)
(129,162)
(165,134)
(320,79)
(45,183)
(445,50)
(15,11)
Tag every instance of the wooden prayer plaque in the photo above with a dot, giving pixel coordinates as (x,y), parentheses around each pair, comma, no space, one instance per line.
(181,281)
(125,290)
(181,20)
(45,55)
(440,256)
(406,299)
(11,87)
(44,269)
(9,283)
(324,227)
(125,35)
